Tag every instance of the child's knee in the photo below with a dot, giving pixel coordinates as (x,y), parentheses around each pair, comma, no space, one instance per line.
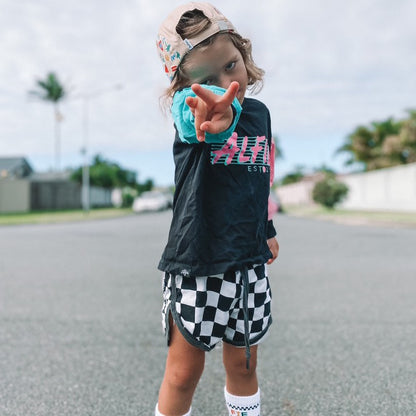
(183,378)
(236,365)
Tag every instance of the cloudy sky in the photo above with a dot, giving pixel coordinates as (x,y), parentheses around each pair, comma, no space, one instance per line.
(330,66)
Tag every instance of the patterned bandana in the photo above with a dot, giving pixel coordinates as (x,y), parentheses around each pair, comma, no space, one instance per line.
(172,48)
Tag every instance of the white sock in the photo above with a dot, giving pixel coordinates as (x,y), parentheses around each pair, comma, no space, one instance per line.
(242,405)
(157,413)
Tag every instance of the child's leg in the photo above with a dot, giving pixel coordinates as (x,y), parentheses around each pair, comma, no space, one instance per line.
(239,380)
(184,366)
(242,394)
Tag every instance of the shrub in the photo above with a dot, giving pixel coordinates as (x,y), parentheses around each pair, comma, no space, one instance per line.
(127,200)
(329,192)
(128,194)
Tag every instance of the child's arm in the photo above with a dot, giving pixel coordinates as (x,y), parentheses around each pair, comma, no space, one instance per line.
(274,248)
(272,207)
(272,242)
(188,118)
(213,113)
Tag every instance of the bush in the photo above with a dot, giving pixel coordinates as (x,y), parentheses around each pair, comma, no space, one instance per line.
(127,200)
(127,196)
(329,192)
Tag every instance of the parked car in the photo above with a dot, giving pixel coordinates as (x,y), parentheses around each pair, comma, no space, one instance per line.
(152,201)
(274,204)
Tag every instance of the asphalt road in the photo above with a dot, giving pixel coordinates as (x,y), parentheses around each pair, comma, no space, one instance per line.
(80,330)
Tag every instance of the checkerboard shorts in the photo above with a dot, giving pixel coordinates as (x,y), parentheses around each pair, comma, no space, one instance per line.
(210,309)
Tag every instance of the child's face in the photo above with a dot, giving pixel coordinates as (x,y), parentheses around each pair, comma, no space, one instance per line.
(218,64)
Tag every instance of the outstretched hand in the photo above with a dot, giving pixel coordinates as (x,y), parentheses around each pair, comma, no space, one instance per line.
(274,249)
(213,113)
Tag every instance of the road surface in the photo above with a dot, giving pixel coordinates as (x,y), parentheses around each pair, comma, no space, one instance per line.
(80,330)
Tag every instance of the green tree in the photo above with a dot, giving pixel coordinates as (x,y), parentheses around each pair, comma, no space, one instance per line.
(368,145)
(407,137)
(292,177)
(107,174)
(147,185)
(52,91)
(325,169)
(329,192)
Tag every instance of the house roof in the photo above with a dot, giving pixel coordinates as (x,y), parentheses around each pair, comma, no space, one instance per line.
(14,167)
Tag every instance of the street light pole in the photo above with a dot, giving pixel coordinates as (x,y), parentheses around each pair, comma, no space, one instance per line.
(85,165)
(84,151)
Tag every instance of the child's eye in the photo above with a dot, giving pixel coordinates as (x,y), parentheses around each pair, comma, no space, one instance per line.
(230,66)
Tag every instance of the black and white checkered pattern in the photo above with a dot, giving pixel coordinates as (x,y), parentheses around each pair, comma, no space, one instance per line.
(210,309)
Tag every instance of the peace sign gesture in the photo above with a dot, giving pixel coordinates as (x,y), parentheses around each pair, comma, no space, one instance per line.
(213,113)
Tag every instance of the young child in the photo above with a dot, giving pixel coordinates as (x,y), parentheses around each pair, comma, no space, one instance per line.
(215,285)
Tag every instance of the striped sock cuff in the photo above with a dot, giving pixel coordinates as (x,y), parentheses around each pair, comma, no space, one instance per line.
(242,405)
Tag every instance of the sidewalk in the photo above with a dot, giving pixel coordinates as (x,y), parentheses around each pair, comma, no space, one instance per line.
(350,217)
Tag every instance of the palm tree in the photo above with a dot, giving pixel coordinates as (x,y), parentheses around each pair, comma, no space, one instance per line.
(408,137)
(358,144)
(52,91)
(367,145)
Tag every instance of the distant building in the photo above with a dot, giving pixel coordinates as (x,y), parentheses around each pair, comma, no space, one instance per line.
(24,190)
(14,168)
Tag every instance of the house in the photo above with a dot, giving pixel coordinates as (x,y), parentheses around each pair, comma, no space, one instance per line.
(14,168)
(299,193)
(14,185)
(24,190)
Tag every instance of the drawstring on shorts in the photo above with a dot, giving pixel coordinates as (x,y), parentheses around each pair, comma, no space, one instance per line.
(246,288)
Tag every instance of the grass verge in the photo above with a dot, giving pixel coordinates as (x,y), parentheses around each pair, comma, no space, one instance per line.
(353,217)
(51,217)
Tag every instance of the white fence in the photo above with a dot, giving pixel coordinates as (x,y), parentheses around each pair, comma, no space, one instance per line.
(391,189)
(14,195)
(23,195)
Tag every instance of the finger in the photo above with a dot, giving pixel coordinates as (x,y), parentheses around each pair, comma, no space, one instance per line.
(200,116)
(215,126)
(212,99)
(192,102)
(199,120)
(270,261)
(204,94)
(205,126)
(200,135)
(212,128)
(231,93)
